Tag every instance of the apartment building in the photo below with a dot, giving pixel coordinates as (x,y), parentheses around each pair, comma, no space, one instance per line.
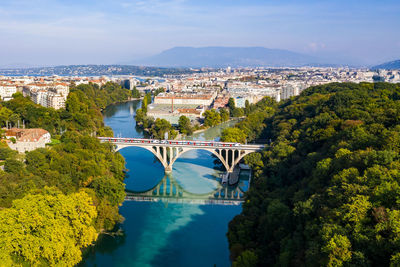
(6,91)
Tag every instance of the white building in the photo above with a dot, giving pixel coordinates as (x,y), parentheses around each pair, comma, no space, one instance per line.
(23,140)
(289,90)
(55,101)
(39,97)
(61,89)
(186,99)
(6,91)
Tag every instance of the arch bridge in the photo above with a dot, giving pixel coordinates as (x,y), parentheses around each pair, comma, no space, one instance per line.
(168,151)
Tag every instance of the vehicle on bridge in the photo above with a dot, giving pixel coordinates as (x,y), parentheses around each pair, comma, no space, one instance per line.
(171,142)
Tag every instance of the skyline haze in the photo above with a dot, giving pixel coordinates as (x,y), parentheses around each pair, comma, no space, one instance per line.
(45,32)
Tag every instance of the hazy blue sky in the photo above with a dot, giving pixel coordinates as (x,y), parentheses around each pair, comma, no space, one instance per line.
(53,32)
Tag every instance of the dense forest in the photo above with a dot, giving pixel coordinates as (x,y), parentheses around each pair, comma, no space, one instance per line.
(326,190)
(54,201)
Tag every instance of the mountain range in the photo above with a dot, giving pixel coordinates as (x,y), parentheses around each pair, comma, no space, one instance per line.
(392,65)
(217,57)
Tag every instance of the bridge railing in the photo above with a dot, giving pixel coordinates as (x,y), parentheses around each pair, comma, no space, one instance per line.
(174,142)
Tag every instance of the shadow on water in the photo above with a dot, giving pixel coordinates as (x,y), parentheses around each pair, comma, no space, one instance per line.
(106,244)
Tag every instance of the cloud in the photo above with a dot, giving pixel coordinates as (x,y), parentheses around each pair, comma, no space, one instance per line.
(314,46)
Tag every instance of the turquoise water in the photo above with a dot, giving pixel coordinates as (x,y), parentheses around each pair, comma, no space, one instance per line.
(164,234)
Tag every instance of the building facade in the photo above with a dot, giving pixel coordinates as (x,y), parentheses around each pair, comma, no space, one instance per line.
(23,140)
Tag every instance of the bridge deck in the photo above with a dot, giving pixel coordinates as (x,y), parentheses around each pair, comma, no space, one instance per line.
(180,143)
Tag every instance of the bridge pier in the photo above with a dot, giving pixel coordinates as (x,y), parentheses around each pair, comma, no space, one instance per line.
(168,169)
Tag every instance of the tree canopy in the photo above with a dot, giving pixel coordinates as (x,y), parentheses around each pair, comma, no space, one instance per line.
(211,118)
(233,135)
(327,189)
(47,229)
(184,125)
(85,176)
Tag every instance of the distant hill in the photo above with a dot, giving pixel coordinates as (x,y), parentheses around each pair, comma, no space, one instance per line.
(216,57)
(392,65)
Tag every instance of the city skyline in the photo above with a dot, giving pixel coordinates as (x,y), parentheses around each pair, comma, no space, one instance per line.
(44,32)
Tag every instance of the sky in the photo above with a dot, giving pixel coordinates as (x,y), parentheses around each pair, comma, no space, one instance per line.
(63,32)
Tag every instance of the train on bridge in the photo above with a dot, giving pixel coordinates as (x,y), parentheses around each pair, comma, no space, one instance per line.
(167,151)
(169,142)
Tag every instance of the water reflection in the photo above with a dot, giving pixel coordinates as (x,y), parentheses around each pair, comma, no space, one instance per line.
(144,169)
(112,110)
(160,234)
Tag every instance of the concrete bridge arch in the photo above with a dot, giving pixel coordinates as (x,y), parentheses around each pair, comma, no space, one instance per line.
(168,153)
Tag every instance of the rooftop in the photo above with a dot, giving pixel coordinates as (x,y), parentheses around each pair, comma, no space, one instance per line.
(26,135)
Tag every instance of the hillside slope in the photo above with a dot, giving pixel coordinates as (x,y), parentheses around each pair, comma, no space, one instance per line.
(392,65)
(328,187)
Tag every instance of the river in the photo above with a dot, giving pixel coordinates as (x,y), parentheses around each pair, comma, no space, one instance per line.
(165,234)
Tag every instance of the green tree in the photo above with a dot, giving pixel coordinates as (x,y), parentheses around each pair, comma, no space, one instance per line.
(140,116)
(162,126)
(326,181)
(246,259)
(13,166)
(14,118)
(5,114)
(135,92)
(231,104)
(47,229)
(247,108)
(109,188)
(338,249)
(185,125)
(211,118)
(6,153)
(78,161)
(224,114)
(146,101)
(237,112)
(233,135)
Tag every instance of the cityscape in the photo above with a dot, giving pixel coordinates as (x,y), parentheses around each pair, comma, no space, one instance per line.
(179,133)
(207,90)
